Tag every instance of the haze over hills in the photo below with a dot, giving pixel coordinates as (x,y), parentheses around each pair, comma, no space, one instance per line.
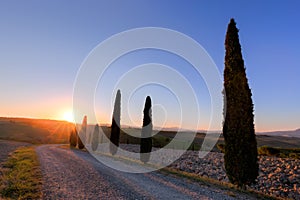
(292,133)
(288,133)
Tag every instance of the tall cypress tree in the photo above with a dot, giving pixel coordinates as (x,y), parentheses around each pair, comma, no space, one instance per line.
(73,137)
(238,127)
(95,138)
(146,140)
(115,125)
(82,133)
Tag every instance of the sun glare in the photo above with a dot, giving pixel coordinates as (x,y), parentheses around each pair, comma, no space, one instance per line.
(68,116)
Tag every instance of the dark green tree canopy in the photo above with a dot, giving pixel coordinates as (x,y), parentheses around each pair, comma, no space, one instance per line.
(115,126)
(95,138)
(238,128)
(147,112)
(117,109)
(146,140)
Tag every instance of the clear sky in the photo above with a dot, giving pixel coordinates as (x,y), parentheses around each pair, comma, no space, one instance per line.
(43,44)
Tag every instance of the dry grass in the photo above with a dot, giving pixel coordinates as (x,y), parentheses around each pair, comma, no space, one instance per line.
(35,131)
(21,176)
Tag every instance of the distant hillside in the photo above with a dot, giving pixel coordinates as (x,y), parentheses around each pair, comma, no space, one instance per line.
(40,131)
(36,131)
(294,133)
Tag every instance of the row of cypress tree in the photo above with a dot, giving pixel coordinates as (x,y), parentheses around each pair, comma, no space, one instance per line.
(76,139)
(238,127)
(146,140)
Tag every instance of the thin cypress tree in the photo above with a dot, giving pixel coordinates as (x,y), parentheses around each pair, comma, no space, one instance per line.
(238,127)
(95,139)
(82,133)
(73,137)
(146,140)
(115,125)
(101,136)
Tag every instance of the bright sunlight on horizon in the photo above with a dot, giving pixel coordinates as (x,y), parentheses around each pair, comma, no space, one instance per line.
(68,116)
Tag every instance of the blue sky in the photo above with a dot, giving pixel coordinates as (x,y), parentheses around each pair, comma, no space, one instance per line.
(43,44)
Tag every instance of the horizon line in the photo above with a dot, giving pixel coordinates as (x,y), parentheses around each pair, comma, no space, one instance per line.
(139,127)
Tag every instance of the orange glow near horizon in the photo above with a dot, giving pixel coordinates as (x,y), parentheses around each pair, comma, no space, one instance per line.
(64,112)
(68,116)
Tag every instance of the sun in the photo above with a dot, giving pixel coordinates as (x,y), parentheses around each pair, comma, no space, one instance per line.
(68,116)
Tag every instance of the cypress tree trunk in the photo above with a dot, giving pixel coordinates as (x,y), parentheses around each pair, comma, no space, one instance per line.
(95,138)
(115,125)
(238,128)
(73,137)
(146,140)
(82,133)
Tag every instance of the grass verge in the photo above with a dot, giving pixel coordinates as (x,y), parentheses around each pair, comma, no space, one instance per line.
(21,175)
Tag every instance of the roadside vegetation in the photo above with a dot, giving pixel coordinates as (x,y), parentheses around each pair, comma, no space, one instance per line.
(272,151)
(279,152)
(21,176)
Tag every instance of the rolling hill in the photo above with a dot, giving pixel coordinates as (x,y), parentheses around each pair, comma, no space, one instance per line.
(293,133)
(43,131)
(36,131)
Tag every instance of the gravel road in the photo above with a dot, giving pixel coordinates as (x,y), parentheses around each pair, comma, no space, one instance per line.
(75,174)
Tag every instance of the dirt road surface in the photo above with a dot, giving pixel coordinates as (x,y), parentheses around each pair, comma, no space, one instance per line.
(75,174)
